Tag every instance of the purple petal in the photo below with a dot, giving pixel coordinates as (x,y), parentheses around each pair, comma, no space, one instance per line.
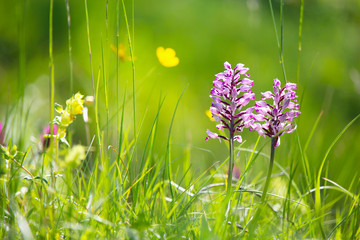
(227,65)
(220,75)
(293,106)
(247,117)
(277,82)
(243,102)
(259,117)
(214,111)
(225,92)
(294,113)
(238,67)
(286,103)
(290,86)
(234,93)
(290,128)
(244,88)
(248,123)
(217,118)
(283,117)
(290,95)
(220,126)
(249,110)
(249,96)
(216,105)
(216,92)
(261,104)
(263,110)
(238,138)
(218,83)
(276,87)
(275,112)
(216,99)
(211,135)
(246,81)
(277,142)
(243,70)
(257,127)
(267,95)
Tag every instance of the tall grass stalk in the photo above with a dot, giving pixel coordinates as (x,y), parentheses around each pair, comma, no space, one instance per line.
(105,71)
(281,41)
(131,48)
(89,45)
(21,11)
(51,66)
(117,72)
(168,151)
(299,41)
(96,102)
(120,140)
(52,105)
(70,47)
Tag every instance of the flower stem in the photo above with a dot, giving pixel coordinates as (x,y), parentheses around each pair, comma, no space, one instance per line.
(231,164)
(267,183)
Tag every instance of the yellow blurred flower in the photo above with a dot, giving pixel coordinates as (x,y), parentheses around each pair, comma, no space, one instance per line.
(75,104)
(66,119)
(74,157)
(167,57)
(121,52)
(209,114)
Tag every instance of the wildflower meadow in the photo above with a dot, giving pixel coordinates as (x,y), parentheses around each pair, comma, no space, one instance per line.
(124,119)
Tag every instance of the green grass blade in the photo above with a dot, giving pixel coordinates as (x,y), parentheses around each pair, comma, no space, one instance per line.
(299,41)
(168,152)
(69,46)
(317,193)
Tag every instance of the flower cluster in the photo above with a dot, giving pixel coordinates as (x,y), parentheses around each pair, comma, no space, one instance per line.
(230,93)
(74,106)
(278,118)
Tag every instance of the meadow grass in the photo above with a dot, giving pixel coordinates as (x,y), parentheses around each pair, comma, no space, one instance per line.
(115,187)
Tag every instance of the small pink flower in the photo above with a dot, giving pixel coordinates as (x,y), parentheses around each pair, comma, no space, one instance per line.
(236,172)
(45,141)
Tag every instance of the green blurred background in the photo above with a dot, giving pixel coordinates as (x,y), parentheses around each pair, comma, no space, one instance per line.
(204,34)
